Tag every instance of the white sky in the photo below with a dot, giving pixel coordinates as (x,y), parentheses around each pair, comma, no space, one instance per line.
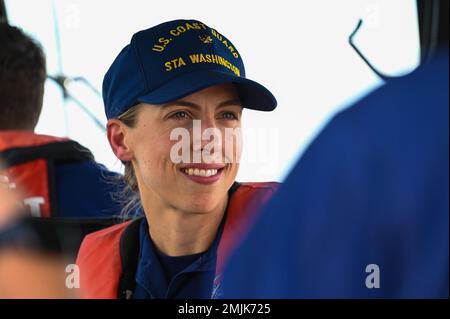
(298,49)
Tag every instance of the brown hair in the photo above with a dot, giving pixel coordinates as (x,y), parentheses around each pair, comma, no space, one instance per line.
(22,78)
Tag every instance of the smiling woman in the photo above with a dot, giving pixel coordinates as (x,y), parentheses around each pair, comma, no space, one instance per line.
(217,108)
(162,178)
(194,210)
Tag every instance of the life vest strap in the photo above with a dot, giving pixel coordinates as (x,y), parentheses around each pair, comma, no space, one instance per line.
(129,252)
(33,167)
(61,151)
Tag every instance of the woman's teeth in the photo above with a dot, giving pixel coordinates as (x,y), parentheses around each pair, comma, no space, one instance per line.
(200,172)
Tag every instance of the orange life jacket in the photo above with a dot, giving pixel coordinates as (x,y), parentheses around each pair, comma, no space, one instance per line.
(30,163)
(101,264)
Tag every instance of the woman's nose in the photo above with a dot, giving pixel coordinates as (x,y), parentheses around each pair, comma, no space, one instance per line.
(208,122)
(206,131)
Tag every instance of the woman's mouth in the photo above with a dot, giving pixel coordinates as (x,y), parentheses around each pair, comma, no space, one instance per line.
(203,174)
(200,172)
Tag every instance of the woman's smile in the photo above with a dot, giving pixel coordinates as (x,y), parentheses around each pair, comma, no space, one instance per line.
(205,174)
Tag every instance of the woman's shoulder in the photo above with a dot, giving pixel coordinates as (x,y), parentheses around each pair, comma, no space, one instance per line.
(109,236)
(100,263)
(110,231)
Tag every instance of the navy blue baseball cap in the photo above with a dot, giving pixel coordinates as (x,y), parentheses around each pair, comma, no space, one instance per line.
(175,59)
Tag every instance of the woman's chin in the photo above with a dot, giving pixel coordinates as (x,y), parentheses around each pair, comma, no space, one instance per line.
(201,205)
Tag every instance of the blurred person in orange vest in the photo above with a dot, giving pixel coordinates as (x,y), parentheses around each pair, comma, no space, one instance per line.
(26,273)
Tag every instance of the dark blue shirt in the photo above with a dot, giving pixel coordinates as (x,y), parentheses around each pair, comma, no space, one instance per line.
(186,277)
(172,265)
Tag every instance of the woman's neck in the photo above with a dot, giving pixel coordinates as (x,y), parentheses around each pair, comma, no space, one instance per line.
(179,233)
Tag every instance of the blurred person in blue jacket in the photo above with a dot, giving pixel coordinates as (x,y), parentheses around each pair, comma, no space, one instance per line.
(364,213)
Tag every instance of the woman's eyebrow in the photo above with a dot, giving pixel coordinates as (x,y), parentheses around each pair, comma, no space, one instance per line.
(230,102)
(180,103)
(196,106)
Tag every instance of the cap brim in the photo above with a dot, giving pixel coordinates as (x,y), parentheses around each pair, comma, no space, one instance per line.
(254,95)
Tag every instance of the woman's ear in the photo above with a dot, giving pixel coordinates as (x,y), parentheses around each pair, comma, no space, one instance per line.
(116,132)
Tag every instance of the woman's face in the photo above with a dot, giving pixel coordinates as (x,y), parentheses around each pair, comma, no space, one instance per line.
(200,182)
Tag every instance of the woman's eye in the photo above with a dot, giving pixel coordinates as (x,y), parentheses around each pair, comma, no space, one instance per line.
(181,115)
(229,116)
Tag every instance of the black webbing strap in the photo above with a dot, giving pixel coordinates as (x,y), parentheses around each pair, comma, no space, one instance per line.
(129,256)
(64,151)
(55,152)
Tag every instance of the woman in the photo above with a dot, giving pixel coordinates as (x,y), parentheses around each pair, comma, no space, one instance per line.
(178,77)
